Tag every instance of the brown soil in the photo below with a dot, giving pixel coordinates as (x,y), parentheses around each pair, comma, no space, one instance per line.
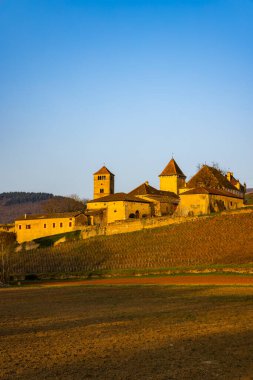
(127,332)
(171,280)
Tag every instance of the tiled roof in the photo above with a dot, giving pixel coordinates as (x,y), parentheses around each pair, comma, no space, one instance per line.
(119,197)
(210,177)
(235,182)
(162,198)
(146,189)
(212,191)
(172,169)
(50,216)
(94,212)
(104,170)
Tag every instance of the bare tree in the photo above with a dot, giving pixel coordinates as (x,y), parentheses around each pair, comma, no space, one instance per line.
(63,204)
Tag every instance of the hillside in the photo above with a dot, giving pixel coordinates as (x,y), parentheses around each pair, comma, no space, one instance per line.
(15,204)
(218,240)
(249,198)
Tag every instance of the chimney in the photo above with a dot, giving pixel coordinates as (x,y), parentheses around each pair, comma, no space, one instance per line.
(25,216)
(229,176)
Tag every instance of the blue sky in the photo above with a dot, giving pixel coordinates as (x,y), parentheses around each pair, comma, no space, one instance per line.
(125,83)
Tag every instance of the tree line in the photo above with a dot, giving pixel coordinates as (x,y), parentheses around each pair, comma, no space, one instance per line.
(18,197)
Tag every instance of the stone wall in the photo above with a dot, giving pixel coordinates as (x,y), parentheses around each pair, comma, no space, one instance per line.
(132,225)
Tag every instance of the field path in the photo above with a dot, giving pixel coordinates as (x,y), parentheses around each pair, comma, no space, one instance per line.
(165,280)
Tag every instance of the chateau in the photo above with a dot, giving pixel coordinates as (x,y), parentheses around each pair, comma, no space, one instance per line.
(208,191)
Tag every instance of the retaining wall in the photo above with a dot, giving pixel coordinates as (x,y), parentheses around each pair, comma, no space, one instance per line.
(132,225)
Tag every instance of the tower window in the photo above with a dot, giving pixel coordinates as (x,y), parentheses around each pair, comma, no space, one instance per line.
(61,224)
(45,226)
(101,191)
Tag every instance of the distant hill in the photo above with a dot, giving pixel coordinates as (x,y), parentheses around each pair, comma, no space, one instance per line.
(15,204)
(250,190)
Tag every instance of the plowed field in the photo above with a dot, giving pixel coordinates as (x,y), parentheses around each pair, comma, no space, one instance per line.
(127,332)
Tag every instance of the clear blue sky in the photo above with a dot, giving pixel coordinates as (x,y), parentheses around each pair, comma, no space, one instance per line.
(125,83)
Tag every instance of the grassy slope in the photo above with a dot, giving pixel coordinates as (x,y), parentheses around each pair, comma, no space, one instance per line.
(249,198)
(215,241)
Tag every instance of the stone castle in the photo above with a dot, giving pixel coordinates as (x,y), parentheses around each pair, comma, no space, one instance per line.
(208,191)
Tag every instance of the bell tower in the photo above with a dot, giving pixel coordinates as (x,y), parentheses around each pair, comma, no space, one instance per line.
(103,183)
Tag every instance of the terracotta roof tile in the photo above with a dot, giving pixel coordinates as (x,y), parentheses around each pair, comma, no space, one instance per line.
(210,177)
(172,169)
(146,189)
(212,191)
(103,170)
(119,197)
(50,216)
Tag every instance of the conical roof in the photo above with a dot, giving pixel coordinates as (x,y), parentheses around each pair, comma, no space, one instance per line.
(172,169)
(104,170)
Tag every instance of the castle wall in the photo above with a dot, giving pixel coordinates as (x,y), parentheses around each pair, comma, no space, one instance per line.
(193,204)
(201,204)
(121,210)
(169,183)
(132,225)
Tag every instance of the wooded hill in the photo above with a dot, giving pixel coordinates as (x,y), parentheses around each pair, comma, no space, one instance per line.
(16,204)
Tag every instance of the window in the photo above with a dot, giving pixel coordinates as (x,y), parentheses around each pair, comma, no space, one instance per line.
(28,226)
(115,210)
(19,227)
(61,224)
(53,225)
(70,224)
(45,226)
(101,177)
(101,191)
